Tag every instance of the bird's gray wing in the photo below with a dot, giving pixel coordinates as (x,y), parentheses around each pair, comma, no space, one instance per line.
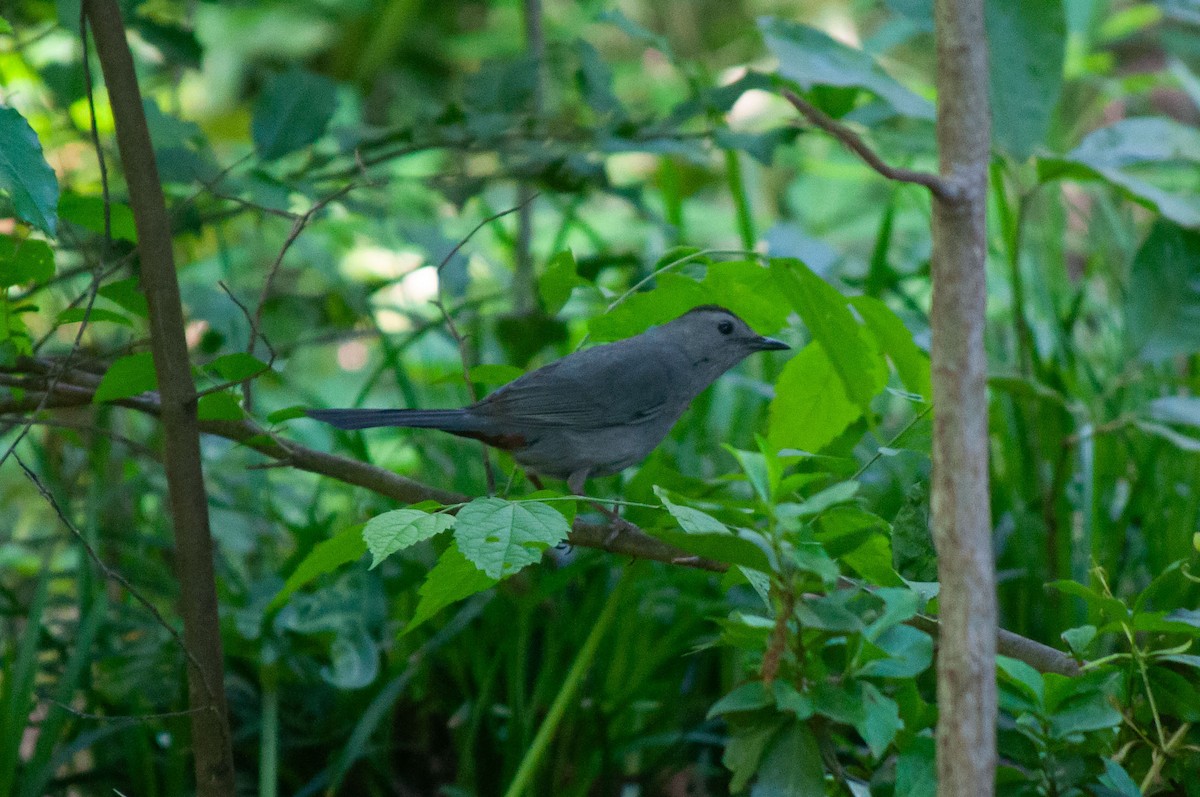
(606,386)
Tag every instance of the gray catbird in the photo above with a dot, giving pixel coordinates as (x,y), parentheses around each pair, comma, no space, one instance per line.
(597,411)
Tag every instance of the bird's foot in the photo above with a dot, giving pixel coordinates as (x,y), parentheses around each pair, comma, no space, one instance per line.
(619,526)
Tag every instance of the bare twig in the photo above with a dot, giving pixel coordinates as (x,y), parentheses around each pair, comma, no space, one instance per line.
(941,187)
(461,339)
(256,318)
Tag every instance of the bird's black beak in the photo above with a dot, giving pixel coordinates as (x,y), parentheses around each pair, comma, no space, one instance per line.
(768,344)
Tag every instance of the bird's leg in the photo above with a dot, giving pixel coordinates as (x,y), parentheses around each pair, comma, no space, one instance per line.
(575,485)
(534,480)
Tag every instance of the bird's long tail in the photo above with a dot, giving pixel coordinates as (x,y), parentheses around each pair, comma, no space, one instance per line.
(446,420)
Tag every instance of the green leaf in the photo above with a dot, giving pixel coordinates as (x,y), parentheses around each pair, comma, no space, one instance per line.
(916,769)
(1183,410)
(789,699)
(810,408)
(1026,76)
(749,290)
(287,414)
(693,521)
(73,315)
(325,557)
(792,765)
(87,211)
(24,173)
(22,261)
(812,58)
(882,721)
(1117,779)
(829,320)
(1080,639)
(453,578)
(1024,676)
(558,280)
(894,340)
(673,296)
(1162,305)
(237,366)
(840,493)
(501,537)
(744,750)
(910,652)
(396,530)
(706,536)
(220,406)
(128,295)
(747,697)
(292,112)
(129,376)
(494,374)
(1108,153)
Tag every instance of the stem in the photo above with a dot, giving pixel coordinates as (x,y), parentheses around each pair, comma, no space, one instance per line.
(566,695)
(737,188)
(268,743)
(211,745)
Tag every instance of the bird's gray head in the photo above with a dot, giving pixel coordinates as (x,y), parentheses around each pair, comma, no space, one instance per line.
(715,339)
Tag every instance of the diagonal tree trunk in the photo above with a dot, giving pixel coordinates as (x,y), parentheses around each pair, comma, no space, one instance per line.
(181,433)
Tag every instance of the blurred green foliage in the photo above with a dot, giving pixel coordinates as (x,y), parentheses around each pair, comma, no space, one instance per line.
(663,156)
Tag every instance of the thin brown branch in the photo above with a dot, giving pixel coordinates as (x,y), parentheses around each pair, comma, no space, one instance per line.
(632,542)
(941,187)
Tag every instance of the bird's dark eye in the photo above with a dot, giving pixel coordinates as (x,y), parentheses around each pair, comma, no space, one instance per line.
(725,327)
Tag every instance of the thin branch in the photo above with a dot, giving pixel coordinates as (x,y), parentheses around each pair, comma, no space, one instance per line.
(940,186)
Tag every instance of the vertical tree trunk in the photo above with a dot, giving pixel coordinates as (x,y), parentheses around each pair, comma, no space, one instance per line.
(966,739)
(181,435)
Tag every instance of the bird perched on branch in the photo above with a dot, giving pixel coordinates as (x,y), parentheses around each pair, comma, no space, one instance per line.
(594,412)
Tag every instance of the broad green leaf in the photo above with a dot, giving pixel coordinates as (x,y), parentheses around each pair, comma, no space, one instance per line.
(693,521)
(1028,42)
(558,280)
(287,414)
(128,295)
(673,296)
(747,697)
(792,765)
(1109,153)
(1162,306)
(748,289)
(882,721)
(453,578)
(24,173)
(501,537)
(237,366)
(220,406)
(73,315)
(829,320)
(1118,781)
(292,112)
(910,652)
(1079,639)
(87,211)
(744,751)
(810,408)
(916,769)
(396,530)
(1024,676)
(896,342)
(788,698)
(840,493)
(325,557)
(129,376)
(494,373)
(706,536)
(812,58)
(22,261)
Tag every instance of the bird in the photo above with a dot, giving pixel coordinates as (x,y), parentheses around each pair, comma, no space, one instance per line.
(596,411)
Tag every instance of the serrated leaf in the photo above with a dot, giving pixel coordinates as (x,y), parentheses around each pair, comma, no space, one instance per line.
(453,578)
(129,376)
(811,58)
(501,537)
(292,112)
(396,530)
(325,557)
(237,366)
(24,173)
